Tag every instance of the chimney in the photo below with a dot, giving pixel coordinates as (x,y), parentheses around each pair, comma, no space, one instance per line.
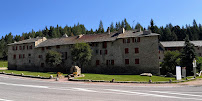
(108,30)
(79,36)
(121,30)
(140,30)
(145,32)
(44,38)
(65,35)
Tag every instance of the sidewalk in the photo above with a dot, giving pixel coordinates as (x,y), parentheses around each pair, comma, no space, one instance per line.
(3,68)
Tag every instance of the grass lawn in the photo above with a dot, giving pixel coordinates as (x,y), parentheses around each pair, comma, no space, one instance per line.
(3,63)
(43,74)
(124,77)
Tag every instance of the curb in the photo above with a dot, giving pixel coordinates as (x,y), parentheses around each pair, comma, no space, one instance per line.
(159,82)
(30,76)
(85,80)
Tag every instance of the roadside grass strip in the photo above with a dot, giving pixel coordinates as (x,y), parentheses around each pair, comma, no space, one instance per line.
(139,78)
(30,73)
(3,63)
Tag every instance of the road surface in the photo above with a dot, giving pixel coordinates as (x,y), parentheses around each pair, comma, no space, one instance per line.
(27,89)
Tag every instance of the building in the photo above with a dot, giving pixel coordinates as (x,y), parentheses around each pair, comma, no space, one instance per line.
(123,51)
(178,45)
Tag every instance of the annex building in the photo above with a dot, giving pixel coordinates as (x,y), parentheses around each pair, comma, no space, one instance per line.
(125,52)
(178,45)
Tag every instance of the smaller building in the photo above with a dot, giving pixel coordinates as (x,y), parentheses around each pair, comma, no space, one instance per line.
(178,45)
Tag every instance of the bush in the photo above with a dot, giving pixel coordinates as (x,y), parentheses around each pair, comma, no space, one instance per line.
(170,61)
(53,58)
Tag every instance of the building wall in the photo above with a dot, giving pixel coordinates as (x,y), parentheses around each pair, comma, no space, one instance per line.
(147,55)
(16,59)
(145,60)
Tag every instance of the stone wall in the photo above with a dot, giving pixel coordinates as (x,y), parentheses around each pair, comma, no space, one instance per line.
(148,57)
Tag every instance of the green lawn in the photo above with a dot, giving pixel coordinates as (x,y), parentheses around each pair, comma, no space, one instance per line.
(124,77)
(43,74)
(3,63)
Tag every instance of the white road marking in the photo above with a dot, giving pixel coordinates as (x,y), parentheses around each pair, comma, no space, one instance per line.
(154,95)
(5,100)
(175,93)
(112,91)
(22,85)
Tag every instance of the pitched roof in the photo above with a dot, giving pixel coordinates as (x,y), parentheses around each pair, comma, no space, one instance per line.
(86,38)
(92,38)
(79,39)
(180,43)
(26,41)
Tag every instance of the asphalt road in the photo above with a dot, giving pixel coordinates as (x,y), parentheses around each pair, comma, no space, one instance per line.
(24,89)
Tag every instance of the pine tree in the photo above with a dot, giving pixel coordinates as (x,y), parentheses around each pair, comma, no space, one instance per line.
(100,29)
(127,25)
(188,55)
(138,26)
(112,27)
(152,26)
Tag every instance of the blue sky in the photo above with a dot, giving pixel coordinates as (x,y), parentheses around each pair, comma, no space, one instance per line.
(19,16)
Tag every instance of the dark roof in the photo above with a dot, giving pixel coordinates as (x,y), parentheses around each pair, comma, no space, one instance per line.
(131,33)
(180,43)
(79,39)
(26,41)
(92,38)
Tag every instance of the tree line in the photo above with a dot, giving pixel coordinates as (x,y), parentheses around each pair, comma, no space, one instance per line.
(167,33)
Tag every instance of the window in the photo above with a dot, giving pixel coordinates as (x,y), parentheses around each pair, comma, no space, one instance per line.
(16,48)
(40,56)
(112,62)
(97,62)
(48,47)
(20,47)
(14,56)
(27,47)
(136,50)
(96,44)
(42,64)
(13,48)
(57,46)
(138,39)
(64,55)
(23,47)
(159,51)
(159,57)
(96,51)
(29,61)
(30,47)
(123,40)
(100,52)
(133,39)
(42,48)
(126,51)
(109,62)
(29,54)
(126,61)
(105,51)
(136,61)
(19,56)
(128,40)
(104,45)
(23,55)
(199,54)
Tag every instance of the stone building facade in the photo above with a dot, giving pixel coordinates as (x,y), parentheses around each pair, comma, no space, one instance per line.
(130,52)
